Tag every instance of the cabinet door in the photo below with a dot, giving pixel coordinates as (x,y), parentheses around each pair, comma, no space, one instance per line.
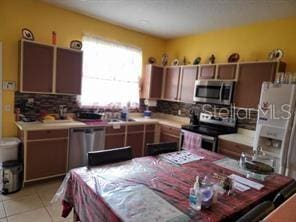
(36,67)
(168,138)
(207,71)
(135,140)
(250,78)
(46,158)
(152,82)
(226,71)
(149,138)
(114,141)
(233,150)
(189,75)
(68,71)
(172,83)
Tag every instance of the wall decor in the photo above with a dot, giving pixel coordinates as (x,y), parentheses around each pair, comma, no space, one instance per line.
(76,44)
(152,60)
(27,34)
(276,55)
(164,59)
(196,61)
(212,59)
(175,62)
(234,57)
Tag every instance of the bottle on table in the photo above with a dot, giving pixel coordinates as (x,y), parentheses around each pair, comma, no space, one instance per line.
(195,196)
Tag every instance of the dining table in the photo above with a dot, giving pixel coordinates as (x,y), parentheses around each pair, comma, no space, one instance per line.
(153,189)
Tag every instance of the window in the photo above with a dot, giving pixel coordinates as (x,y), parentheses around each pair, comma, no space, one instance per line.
(111,74)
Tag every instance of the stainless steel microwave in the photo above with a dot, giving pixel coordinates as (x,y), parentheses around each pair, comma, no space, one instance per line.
(213,91)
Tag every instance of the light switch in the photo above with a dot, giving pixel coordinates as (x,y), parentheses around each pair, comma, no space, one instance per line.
(9,85)
(7,107)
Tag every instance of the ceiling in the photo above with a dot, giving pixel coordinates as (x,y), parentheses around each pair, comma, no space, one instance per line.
(175,18)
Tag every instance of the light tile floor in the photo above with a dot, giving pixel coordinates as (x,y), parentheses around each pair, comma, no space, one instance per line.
(32,204)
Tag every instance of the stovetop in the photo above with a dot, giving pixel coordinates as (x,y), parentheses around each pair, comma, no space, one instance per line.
(214,131)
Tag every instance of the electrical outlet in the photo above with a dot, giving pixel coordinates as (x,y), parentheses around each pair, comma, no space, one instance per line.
(9,85)
(179,112)
(30,100)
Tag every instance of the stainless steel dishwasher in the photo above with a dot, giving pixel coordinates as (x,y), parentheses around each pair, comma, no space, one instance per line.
(82,141)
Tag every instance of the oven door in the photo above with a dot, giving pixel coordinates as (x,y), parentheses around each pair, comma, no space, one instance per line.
(208,143)
(218,92)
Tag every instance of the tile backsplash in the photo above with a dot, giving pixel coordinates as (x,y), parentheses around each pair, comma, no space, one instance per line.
(50,103)
(245,119)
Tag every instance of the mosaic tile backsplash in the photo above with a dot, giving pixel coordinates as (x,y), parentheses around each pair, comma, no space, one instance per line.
(50,104)
(246,119)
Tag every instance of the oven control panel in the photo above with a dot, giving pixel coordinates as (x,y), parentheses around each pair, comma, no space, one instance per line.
(217,119)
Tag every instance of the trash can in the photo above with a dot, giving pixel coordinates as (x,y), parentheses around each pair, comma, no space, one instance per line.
(10,167)
(9,149)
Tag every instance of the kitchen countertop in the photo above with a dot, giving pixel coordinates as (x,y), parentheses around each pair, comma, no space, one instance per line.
(243,136)
(170,120)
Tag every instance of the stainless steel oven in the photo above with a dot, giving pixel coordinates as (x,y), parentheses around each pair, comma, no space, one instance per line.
(213,91)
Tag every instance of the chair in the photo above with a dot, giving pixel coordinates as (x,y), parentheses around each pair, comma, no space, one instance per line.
(96,158)
(257,213)
(158,148)
(284,194)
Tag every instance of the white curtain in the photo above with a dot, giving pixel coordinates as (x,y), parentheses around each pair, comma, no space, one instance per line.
(111,74)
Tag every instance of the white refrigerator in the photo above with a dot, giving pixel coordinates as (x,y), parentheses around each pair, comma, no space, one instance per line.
(276,126)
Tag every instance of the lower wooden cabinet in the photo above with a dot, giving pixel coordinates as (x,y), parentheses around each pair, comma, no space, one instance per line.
(232,149)
(46,158)
(135,140)
(169,134)
(114,141)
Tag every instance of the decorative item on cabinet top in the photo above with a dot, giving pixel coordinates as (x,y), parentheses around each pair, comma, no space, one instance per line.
(175,62)
(212,59)
(76,44)
(152,60)
(196,60)
(234,57)
(276,55)
(27,34)
(164,59)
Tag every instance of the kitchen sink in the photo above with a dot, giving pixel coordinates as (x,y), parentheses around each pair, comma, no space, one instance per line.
(119,120)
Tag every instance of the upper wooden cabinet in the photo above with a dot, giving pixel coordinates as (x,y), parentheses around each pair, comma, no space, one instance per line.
(187,81)
(36,67)
(207,72)
(226,71)
(68,71)
(49,69)
(152,82)
(250,78)
(172,77)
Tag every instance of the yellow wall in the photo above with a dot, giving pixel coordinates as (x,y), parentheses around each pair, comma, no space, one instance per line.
(252,42)
(42,19)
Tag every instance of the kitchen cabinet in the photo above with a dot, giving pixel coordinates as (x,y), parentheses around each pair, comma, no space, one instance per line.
(36,67)
(226,71)
(232,149)
(45,157)
(135,139)
(172,77)
(152,82)
(188,77)
(68,71)
(149,135)
(207,72)
(115,138)
(250,78)
(169,134)
(49,69)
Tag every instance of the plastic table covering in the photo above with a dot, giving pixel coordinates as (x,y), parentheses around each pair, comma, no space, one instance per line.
(89,191)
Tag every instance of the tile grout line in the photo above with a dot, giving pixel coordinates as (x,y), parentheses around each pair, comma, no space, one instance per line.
(44,206)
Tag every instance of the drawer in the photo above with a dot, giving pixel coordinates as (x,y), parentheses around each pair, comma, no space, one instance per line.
(234,147)
(111,130)
(47,134)
(135,128)
(150,127)
(170,130)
